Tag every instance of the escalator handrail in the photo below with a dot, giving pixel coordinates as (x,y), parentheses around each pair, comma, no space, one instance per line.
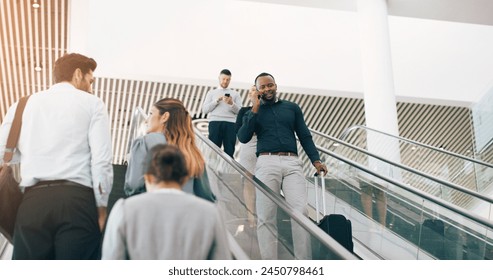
(409,169)
(3,248)
(138,111)
(327,241)
(235,248)
(308,225)
(345,133)
(422,194)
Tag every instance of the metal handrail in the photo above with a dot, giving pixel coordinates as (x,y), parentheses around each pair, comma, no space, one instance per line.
(235,248)
(4,246)
(486,147)
(473,217)
(460,172)
(138,112)
(407,168)
(303,221)
(345,133)
(422,194)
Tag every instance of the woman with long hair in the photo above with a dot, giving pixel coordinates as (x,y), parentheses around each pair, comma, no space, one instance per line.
(150,226)
(168,122)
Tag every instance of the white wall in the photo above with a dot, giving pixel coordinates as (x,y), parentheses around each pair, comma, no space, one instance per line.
(307,50)
(441,60)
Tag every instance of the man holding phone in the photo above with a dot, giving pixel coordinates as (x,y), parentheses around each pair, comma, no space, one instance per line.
(276,122)
(221,106)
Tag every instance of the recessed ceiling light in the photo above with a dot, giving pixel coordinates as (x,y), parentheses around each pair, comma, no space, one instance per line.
(35,5)
(38,68)
(335,144)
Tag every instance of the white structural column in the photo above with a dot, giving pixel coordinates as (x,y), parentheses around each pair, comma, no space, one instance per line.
(379,97)
(380,105)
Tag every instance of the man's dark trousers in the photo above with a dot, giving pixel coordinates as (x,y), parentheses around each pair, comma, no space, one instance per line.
(223,133)
(57,221)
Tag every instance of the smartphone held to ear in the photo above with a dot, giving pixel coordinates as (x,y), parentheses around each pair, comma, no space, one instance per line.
(227,94)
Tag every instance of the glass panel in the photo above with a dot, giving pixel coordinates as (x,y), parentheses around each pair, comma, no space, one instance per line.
(437,164)
(3,245)
(463,171)
(138,125)
(393,223)
(267,242)
(390,220)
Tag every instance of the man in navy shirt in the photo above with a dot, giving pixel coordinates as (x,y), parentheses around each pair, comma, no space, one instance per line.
(275,122)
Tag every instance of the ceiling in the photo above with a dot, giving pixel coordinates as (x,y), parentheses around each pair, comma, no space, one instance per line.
(310,50)
(464,11)
(33,38)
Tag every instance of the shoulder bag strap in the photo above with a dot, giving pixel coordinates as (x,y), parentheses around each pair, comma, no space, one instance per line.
(15,130)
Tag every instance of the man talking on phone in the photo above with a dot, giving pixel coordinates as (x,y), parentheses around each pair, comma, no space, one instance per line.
(276,122)
(221,106)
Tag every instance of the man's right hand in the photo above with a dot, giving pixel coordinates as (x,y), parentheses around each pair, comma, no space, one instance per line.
(228,100)
(321,167)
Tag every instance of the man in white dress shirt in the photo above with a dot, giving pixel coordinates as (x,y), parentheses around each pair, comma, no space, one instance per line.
(65,154)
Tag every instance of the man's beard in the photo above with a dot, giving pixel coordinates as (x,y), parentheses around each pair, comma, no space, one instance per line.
(269,101)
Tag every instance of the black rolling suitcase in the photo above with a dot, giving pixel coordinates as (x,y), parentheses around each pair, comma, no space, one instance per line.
(336,225)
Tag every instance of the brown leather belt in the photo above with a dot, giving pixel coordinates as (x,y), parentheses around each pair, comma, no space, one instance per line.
(279,154)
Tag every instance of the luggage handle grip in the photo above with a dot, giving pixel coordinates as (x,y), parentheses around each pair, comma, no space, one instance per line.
(316,195)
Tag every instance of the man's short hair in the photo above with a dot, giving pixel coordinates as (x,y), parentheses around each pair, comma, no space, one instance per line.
(263,74)
(66,65)
(225,72)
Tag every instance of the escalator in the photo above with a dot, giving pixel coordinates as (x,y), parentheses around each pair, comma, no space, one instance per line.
(227,178)
(409,211)
(400,236)
(459,192)
(417,224)
(471,173)
(422,179)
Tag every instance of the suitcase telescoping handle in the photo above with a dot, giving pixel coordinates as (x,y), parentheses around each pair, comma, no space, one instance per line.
(315,177)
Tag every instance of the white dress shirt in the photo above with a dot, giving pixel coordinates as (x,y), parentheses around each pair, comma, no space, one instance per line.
(65,135)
